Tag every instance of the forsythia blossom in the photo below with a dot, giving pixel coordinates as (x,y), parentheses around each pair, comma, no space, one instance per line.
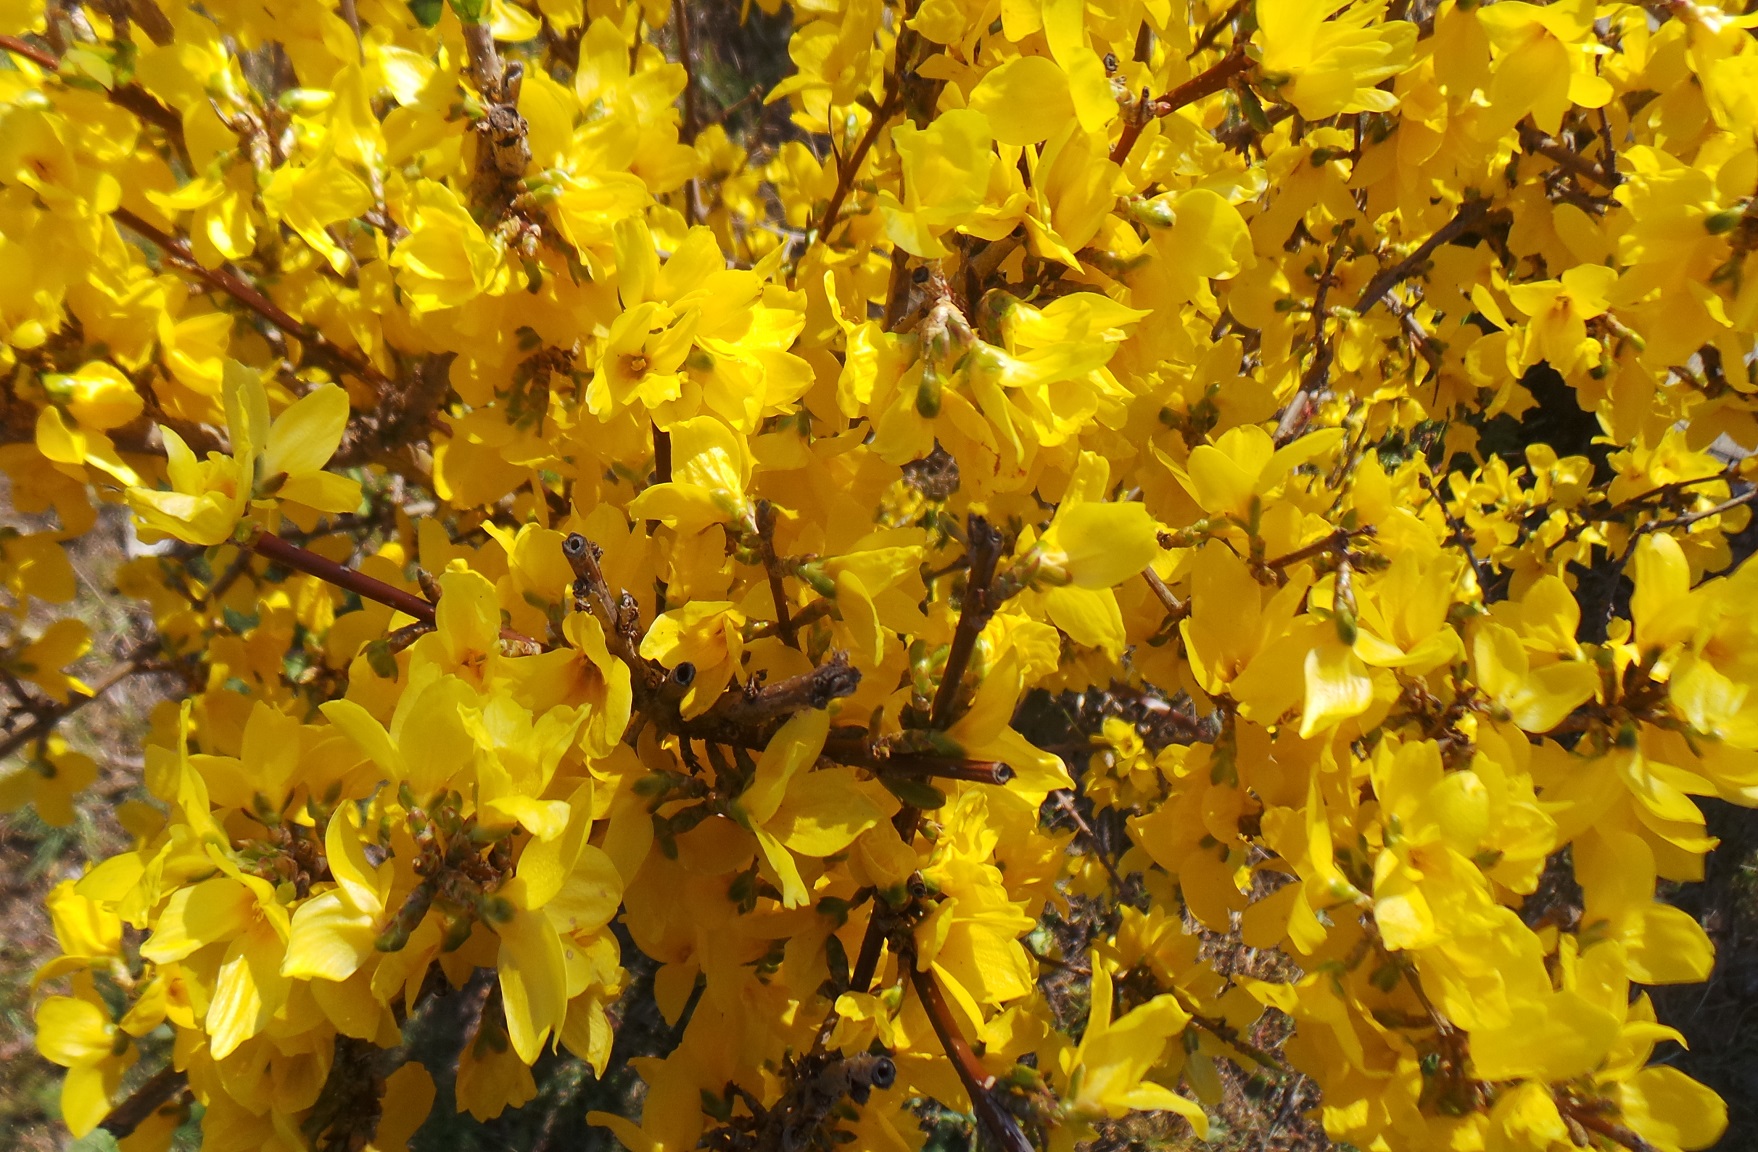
(1056,547)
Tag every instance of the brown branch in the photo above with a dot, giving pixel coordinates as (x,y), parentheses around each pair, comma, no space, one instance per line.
(1468,215)
(1212,31)
(1317,373)
(686,57)
(1537,143)
(1460,533)
(1690,518)
(1176,609)
(49,714)
(985,553)
(227,279)
(486,71)
(971,771)
(164,1086)
(754,708)
(1229,1035)
(130,97)
(1332,541)
(772,566)
(1599,1123)
(1001,1127)
(1216,77)
(289,555)
(41,57)
(350,12)
(849,169)
(152,21)
(592,593)
(1065,801)
(816,610)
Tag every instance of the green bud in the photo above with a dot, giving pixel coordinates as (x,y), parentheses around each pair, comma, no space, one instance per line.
(928,392)
(1155,213)
(1726,220)
(495,909)
(916,793)
(305,101)
(1344,618)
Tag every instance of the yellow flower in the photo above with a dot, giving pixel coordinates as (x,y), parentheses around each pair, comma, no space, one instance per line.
(332,934)
(242,920)
(282,459)
(77,1033)
(446,260)
(1325,67)
(711,467)
(44,660)
(946,167)
(791,808)
(1559,311)
(49,783)
(1107,1072)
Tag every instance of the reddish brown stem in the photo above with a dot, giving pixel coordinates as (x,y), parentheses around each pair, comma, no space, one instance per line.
(49,715)
(1002,1128)
(845,175)
(163,1087)
(272,547)
(226,279)
(1176,609)
(1469,214)
(131,97)
(974,613)
(1603,1125)
(772,567)
(1206,83)
(41,57)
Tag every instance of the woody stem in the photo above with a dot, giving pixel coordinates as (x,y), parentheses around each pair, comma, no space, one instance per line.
(225,279)
(289,555)
(52,715)
(1205,83)
(1002,1129)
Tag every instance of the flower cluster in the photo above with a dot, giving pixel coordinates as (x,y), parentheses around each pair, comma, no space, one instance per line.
(585,529)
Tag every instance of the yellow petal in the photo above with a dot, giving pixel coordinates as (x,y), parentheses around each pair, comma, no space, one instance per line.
(214,910)
(304,437)
(1671,1110)
(823,812)
(330,939)
(248,989)
(534,978)
(1024,99)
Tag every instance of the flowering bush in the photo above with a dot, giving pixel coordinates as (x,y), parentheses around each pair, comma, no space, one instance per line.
(583,527)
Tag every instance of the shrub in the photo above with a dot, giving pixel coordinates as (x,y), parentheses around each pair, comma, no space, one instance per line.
(924,559)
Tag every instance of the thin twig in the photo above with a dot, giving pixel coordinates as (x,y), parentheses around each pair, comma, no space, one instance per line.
(226,279)
(1215,78)
(1690,518)
(850,168)
(1317,373)
(979,1085)
(131,97)
(1563,156)
(772,566)
(41,57)
(1332,541)
(974,613)
(1603,1125)
(163,1087)
(49,716)
(1468,214)
(289,555)
(1459,533)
